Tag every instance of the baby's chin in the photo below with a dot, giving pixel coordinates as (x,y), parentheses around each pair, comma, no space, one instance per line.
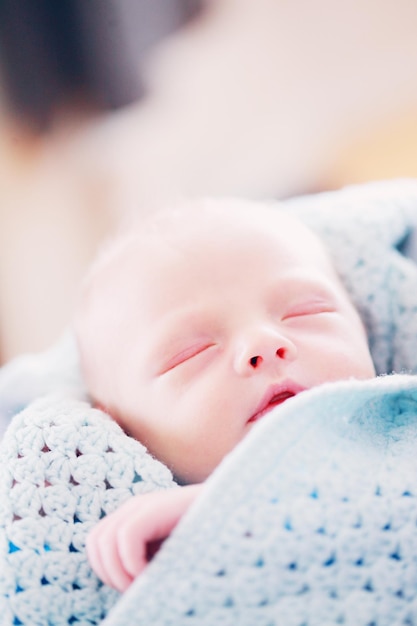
(197,474)
(193,476)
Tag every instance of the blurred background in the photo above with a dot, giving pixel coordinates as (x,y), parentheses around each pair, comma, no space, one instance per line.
(113,107)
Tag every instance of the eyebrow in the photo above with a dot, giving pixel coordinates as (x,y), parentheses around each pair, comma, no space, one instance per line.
(325,287)
(190,316)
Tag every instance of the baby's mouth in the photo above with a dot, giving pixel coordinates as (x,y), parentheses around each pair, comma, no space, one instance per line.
(276,395)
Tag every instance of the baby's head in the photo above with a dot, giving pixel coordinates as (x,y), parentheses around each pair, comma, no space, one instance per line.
(195,325)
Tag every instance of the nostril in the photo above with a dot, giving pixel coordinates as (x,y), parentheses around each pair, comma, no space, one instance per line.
(255,361)
(281,352)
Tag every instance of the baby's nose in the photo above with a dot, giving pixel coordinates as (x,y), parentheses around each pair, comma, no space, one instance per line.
(263,349)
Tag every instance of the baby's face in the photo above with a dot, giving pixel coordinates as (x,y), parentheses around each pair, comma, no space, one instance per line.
(218,324)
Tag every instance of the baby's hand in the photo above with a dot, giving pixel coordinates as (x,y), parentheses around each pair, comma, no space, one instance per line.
(120,546)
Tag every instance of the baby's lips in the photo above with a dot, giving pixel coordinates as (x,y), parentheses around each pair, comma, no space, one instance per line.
(276,394)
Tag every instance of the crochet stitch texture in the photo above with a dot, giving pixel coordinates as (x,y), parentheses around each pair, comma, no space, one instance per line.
(64,465)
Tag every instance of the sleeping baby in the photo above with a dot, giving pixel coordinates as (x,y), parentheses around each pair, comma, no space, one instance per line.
(191,329)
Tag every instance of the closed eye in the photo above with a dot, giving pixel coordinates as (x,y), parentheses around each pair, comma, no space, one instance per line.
(184,356)
(309,309)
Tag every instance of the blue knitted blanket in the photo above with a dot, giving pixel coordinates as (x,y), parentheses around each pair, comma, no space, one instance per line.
(310,521)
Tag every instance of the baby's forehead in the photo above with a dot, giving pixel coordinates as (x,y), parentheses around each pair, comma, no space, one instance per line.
(209,229)
(215,221)
(214,216)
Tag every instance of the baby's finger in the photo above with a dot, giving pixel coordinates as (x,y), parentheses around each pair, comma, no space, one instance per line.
(132,547)
(150,525)
(105,559)
(115,572)
(94,558)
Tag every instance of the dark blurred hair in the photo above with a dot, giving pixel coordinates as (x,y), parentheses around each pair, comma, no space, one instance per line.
(57,52)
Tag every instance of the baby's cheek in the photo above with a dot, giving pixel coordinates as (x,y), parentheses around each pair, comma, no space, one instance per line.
(350,362)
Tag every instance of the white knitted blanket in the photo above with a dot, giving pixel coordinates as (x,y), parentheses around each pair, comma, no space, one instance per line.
(311,520)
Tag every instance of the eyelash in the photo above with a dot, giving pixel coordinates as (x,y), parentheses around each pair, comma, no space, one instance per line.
(306,312)
(184,356)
